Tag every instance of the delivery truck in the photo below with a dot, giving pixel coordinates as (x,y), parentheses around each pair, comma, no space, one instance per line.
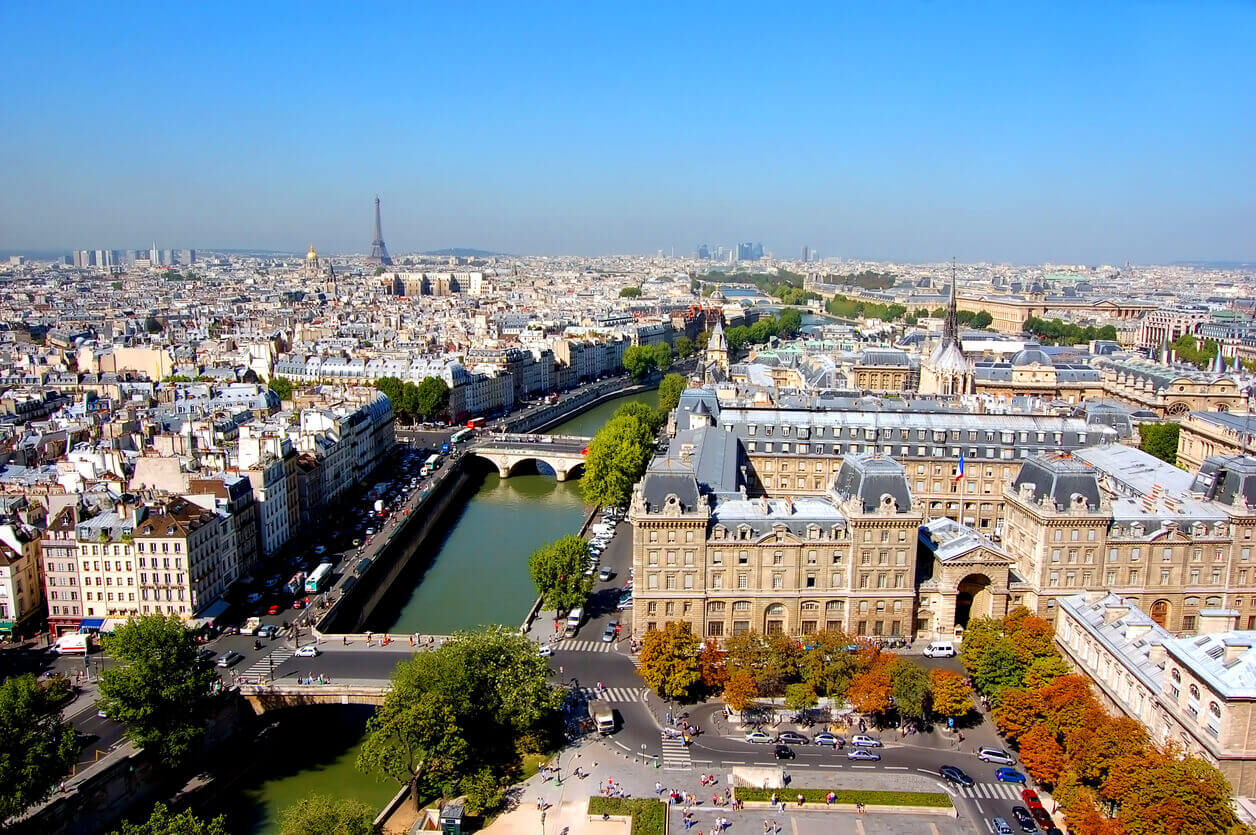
(71,643)
(602,715)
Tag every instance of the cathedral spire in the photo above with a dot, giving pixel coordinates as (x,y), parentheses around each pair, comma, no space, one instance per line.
(950,326)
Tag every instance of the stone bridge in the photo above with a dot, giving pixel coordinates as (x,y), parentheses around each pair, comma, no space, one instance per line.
(563,453)
(264,697)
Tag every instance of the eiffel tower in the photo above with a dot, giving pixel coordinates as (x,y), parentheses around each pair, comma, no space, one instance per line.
(379,252)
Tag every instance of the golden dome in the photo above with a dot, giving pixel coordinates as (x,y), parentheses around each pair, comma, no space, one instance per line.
(312,255)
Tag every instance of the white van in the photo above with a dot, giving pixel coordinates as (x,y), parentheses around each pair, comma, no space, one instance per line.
(940,649)
(575,618)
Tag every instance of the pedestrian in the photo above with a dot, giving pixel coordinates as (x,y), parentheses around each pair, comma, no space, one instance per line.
(345,640)
(800,798)
(658,787)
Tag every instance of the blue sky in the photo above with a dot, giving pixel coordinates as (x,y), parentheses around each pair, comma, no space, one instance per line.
(1087,132)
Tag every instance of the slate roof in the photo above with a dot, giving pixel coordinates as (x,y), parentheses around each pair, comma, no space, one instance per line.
(1135,654)
(1205,657)
(1061,477)
(869,477)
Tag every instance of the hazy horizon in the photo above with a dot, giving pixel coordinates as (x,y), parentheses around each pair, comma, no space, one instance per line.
(1069,134)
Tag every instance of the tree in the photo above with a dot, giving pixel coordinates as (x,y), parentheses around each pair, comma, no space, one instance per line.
(617,458)
(951,696)
(800,696)
(1019,711)
(322,814)
(909,685)
(684,347)
(159,687)
(1177,794)
(740,690)
(668,662)
(827,664)
(1042,755)
(999,669)
(162,822)
(557,571)
(981,634)
(630,292)
(640,361)
(37,748)
(670,390)
(771,659)
(281,386)
(712,671)
(1094,751)
(1043,671)
(392,388)
(1032,637)
(479,700)
(1160,440)
(431,397)
(870,691)
(484,791)
(1068,704)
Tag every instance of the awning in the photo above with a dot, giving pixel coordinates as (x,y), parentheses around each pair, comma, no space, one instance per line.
(6,625)
(91,623)
(111,624)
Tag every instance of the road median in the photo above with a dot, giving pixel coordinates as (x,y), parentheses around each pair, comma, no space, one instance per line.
(850,800)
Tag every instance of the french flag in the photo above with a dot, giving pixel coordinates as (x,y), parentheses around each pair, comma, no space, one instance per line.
(959,472)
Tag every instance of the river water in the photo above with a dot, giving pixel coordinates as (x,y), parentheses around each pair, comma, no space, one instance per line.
(478,575)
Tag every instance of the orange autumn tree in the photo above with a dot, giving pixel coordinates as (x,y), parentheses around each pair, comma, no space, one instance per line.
(951,697)
(1018,712)
(1095,751)
(1068,704)
(740,690)
(869,691)
(712,670)
(1042,755)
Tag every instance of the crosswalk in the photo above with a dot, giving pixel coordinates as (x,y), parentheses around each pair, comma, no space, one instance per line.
(1003,791)
(584,646)
(616,694)
(675,754)
(264,665)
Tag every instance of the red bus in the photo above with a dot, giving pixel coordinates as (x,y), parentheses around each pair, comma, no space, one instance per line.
(476,423)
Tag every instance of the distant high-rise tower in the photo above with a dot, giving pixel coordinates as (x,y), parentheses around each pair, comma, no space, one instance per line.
(379,252)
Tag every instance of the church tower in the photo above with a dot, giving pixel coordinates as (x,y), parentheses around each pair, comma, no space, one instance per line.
(946,371)
(311,263)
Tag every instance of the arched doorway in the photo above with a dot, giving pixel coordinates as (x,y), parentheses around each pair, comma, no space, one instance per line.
(774,620)
(1160,612)
(973,599)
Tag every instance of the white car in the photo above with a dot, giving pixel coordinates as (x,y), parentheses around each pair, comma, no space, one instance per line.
(865,741)
(307,651)
(995,755)
(759,736)
(545,651)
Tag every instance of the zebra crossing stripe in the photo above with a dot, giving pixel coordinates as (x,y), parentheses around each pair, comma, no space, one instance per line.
(675,755)
(584,646)
(615,694)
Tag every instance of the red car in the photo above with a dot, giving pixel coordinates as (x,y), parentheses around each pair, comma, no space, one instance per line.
(1031,798)
(273,610)
(300,603)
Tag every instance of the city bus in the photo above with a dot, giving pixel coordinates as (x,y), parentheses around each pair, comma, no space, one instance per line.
(318,579)
(432,463)
(476,423)
(461,435)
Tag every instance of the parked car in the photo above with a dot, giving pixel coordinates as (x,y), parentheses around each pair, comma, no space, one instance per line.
(832,740)
(307,651)
(784,752)
(862,754)
(608,634)
(205,654)
(1009,775)
(230,659)
(255,597)
(865,741)
(268,631)
(792,737)
(995,755)
(1031,798)
(758,736)
(1025,820)
(1041,816)
(953,774)
(273,610)
(545,650)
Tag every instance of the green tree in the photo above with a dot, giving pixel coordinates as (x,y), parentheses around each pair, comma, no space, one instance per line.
(617,458)
(788,323)
(800,696)
(668,662)
(162,822)
(1192,351)
(478,701)
(684,347)
(557,571)
(827,664)
(630,292)
(158,687)
(322,814)
(640,361)
(1160,440)
(431,397)
(37,748)
(979,636)
(1042,671)
(773,660)
(663,356)
(391,387)
(909,685)
(484,791)
(670,389)
(281,386)
(999,669)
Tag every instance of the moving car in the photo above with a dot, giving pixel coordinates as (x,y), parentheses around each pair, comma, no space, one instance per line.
(832,740)
(952,774)
(758,736)
(1025,820)
(307,651)
(606,574)
(545,650)
(273,610)
(230,659)
(205,654)
(862,754)
(939,649)
(865,741)
(1009,775)
(1000,827)
(784,752)
(1031,798)
(995,755)
(608,634)
(792,737)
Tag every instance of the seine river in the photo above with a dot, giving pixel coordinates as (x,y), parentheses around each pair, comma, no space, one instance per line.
(478,575)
